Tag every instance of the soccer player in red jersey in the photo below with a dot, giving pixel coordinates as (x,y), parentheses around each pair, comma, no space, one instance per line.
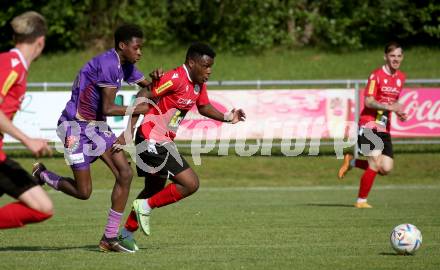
(33,204)
(374,140)
(157,156)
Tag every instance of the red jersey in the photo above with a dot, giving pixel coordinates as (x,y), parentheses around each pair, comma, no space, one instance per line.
(13,71)
(175,95)
(385,88)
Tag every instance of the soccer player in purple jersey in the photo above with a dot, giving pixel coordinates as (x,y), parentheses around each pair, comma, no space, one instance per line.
(83,130)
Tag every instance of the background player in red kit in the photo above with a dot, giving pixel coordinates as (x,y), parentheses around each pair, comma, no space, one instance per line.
(33,204)
(374,140)
(157,157)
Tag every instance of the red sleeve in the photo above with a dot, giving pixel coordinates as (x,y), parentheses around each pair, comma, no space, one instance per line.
(167,83)
(203,97)
(7,79)
(371,88)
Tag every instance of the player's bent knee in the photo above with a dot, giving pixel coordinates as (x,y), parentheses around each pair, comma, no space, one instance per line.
(385,171)
(125,175)
(193,186)
(84,194)
(45,207)
(48,208)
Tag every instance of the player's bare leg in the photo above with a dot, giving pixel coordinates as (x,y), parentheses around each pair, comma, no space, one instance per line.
(124,175)
(37,199)
(386,165)
(153,184)
(184,184)
(119,165)
(346,166)
(32,206)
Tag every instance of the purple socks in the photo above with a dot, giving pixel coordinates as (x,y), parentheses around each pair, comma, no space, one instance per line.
(50,178)
(112,227)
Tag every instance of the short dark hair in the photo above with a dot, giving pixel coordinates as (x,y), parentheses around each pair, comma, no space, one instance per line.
(28,26)
(199,49)
(391,46)
(126,33)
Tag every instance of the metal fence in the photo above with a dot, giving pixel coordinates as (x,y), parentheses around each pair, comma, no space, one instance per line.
(259,84)
(45,86)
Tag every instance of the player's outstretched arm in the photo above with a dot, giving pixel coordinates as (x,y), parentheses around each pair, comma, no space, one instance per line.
(155,75)
(372,103)
(109,107)
(127,135)
(37,146)
(234,116)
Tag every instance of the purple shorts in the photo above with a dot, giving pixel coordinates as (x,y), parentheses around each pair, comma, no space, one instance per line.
(84,141)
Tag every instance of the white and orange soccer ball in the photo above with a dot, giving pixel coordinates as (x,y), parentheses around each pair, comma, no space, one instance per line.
(406,239)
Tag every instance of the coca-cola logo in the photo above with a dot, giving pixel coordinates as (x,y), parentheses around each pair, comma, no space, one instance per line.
(421,112)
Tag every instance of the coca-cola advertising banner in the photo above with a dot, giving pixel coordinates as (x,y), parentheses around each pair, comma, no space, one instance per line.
(328,113)
(423,108)
(285,114)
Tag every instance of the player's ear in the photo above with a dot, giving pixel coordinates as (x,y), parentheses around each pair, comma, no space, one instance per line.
(121,45)
(191,62)
(39,44)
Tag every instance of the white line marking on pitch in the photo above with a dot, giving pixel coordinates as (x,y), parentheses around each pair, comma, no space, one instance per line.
(292,189)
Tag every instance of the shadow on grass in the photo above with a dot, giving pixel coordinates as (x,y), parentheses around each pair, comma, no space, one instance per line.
(389,254)
(330,205)
(93,248)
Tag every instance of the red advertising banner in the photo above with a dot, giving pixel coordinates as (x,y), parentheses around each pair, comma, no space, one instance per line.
(423,108)
(280,114)
(271,114)
(293,114)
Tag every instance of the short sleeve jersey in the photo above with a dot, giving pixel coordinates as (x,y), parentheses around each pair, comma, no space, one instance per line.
(386,89)
(175,94)
(13,72)
(103,71)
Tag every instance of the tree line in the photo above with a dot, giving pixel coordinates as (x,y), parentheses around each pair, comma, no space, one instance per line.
(234,25)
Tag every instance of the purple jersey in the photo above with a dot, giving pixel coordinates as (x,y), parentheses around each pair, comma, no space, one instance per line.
(104,70)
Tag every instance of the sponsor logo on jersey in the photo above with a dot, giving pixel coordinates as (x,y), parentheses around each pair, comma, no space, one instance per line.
(75,158)
(107,133)
(185,101)
(72,143)
(175,76)
(14,62)
(372,87)
(389,89)
(399,83)
(9,82)
(164,87)
(196,89)
(385,81)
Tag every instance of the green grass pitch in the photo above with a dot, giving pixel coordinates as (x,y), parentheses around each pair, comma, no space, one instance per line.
(250,213)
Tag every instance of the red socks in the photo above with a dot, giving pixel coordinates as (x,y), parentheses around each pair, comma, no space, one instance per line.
(361,164)
(17,214)
(366,183)
(131,224)
(166,196)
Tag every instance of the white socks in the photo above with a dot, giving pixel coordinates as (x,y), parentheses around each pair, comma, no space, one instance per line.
(361,200)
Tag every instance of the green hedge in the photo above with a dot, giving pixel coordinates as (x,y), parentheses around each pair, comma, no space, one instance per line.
(235,25)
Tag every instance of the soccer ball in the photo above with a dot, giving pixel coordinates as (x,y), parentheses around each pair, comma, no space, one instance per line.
(406,239)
